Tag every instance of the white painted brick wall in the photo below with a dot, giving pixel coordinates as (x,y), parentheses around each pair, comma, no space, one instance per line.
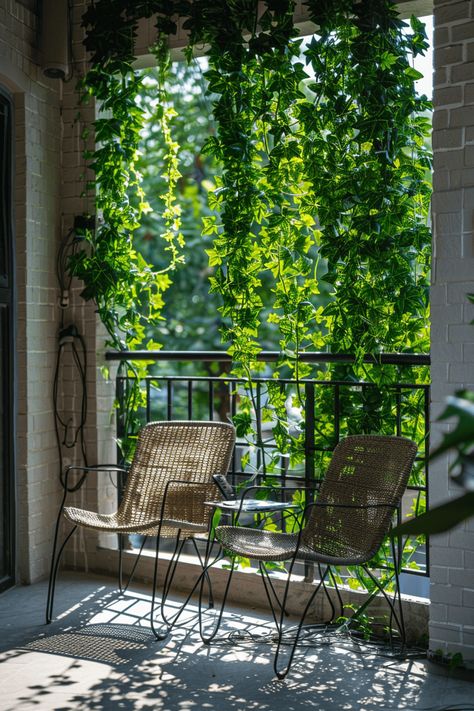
(49,183)
(37,163)
(452,340)
(98,493)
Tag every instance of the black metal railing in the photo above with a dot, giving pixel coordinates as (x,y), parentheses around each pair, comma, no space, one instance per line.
(399,407)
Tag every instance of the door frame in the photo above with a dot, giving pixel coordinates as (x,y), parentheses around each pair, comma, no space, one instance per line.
(7,326)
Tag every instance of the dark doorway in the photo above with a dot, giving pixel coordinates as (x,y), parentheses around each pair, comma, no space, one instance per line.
(7,498)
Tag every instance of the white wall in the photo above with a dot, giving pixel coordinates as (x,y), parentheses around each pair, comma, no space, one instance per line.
(452,335)
(49,181)
(36,225)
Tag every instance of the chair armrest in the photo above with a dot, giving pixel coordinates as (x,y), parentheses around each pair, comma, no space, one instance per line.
(189,482)
(85,470)
(351,507)
(97,468)
(373,529)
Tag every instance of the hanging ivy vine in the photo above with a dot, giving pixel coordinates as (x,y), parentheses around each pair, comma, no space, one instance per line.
(365,141)
(128,293)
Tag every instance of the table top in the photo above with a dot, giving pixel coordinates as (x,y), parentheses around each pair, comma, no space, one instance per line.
(247,505)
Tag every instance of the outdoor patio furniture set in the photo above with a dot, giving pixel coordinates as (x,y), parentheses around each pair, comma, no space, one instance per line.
(170,492)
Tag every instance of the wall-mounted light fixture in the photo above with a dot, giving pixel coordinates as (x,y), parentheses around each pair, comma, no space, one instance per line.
(55,38)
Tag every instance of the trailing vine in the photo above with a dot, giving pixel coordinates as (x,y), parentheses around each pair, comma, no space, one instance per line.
(367,129)
(128,293)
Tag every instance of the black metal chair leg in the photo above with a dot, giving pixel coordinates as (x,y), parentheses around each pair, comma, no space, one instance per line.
(170,572)
(53,575)
(120,546)
(199,581)
(338,592)
(135,564)
(399,622)
(328,596)
(183,606)
(399,618)
(350,620)
(158,635)
(398,593)
(282,673)
(167,624)
(49,603)
(207,639)
(171,569)
(206,575)
(269,589)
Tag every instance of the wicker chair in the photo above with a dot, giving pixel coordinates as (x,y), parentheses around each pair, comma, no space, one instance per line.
(346,525)
(167,484)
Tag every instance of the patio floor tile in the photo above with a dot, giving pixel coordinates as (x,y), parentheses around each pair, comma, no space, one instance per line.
(99,653)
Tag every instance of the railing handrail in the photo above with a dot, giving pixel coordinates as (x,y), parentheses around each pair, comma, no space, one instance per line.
(271,356)
(262,379)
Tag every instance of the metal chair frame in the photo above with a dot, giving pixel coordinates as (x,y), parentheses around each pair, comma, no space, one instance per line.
(160,518)
(247,492)
(301,552)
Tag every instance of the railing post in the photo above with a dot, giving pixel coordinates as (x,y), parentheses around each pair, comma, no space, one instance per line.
(309,435)
(120,387)
(427,401)
(337,412)
(309,442)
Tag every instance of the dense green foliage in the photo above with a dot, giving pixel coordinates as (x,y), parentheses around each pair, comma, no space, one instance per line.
(191,318)
(320,147)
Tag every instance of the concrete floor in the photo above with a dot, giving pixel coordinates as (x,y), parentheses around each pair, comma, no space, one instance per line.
(100,654)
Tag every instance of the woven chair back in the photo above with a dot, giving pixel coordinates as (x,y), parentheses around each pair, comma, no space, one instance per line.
(367,471)
(188,451)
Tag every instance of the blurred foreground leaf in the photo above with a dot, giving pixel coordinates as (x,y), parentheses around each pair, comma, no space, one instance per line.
(440,518)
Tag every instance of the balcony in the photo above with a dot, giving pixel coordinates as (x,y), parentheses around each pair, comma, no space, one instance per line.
(42,194)
(193,396)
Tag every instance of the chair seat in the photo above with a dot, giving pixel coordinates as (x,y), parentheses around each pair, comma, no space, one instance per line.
(275,546)
(113,524)
(258,544)
(261,544)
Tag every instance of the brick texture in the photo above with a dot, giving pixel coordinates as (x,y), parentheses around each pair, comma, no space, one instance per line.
(37,193)
(50,176)
(452,336)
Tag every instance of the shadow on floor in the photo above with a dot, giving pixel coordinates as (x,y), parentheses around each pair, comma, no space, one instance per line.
(100,654)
